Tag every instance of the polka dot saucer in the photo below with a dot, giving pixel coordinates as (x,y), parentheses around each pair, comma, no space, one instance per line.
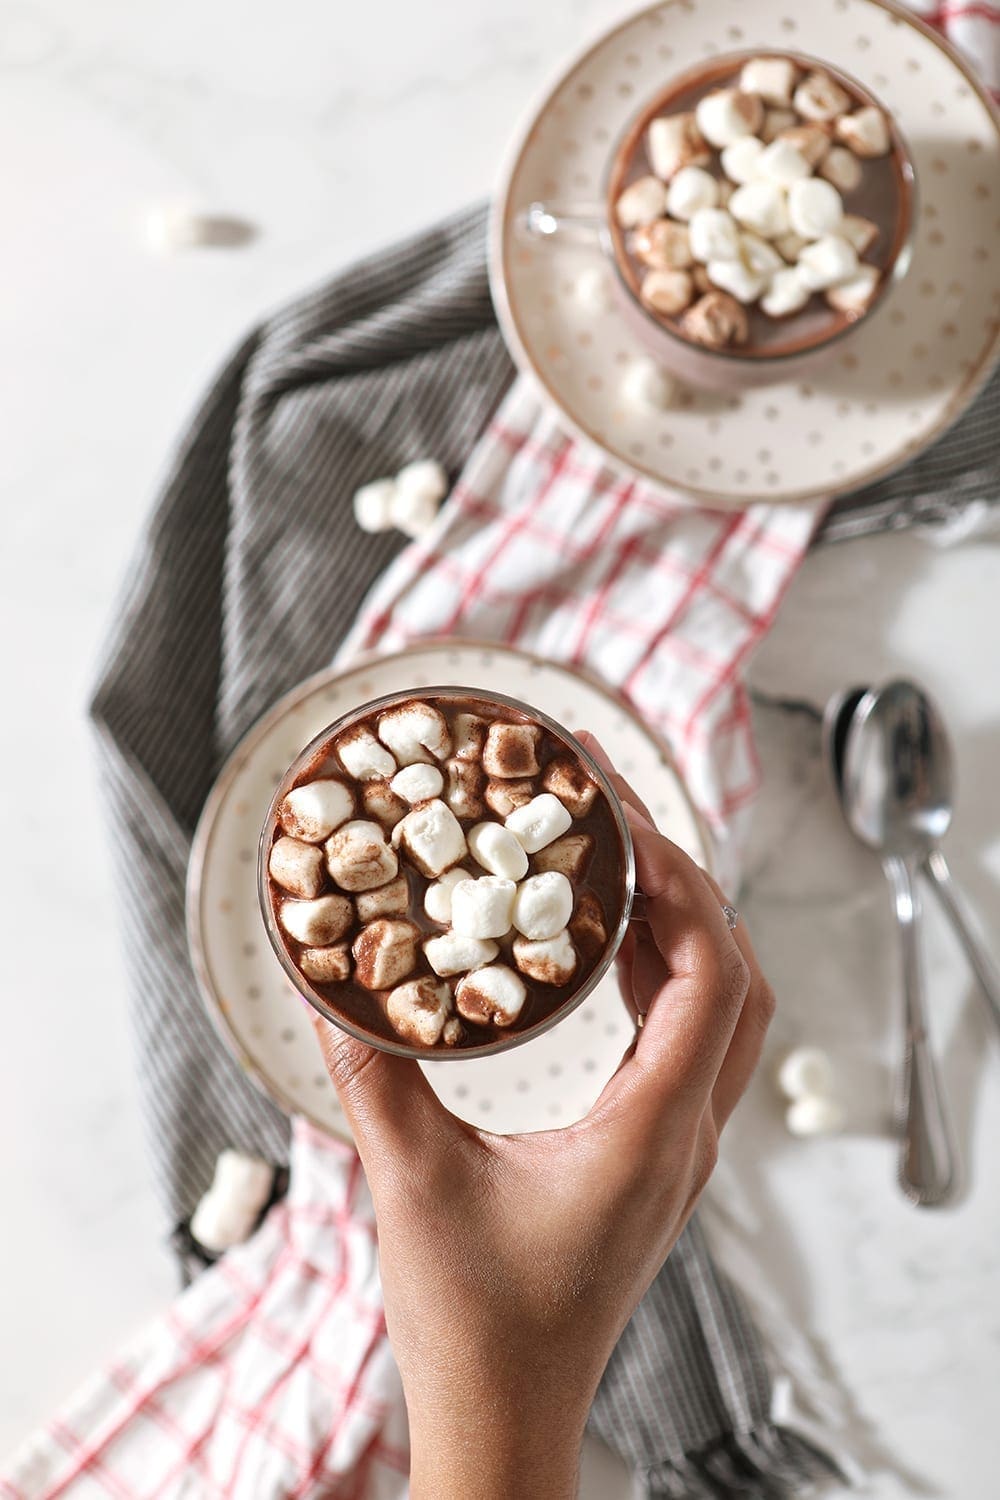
(548,1082)
(899,380)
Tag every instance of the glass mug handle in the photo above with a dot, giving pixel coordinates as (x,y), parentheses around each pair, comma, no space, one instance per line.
(574,223)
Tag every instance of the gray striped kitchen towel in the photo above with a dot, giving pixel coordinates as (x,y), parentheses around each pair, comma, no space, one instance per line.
(396,359)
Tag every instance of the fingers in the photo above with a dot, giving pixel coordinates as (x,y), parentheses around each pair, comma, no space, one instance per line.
(748,1039)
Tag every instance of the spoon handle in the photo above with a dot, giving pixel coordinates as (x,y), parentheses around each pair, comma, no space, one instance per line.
(953,902)
(926,1161)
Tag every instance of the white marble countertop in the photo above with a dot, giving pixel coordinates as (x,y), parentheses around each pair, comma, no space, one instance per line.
(332,136)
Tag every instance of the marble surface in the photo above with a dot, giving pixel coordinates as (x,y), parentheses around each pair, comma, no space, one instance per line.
(332,136)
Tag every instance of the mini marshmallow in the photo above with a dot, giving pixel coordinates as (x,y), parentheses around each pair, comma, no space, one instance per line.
(866,132)
(453,1032)
(312,811)
(674,142)
(775,121)
(551,961)
(543,905)
(418,1011)
(588,927)
(761,207)
(415,732)
(691,189)
(228,1212)
(363,757)
(716,320)
(783,163)
(297,867)
(812,142)
(417,783)
(511,751)
(715,235)
(741,160)
(426,477)
(855,295)
(326,965)
(469,732)
(645,384)
(592,289)
(772,78)
(725,116)
(392,900)
(358,857)
(814,1116)
(827,262)
(859,232)
(538,822)
(173,226)
(667,292)
(642,201)
(842,168)
(432,837)
(502,797)
(382,804)
(758,256)
(413,511)
(437,897)
(814,208)
(384,953)
(787,293)
(464,790)
(702,285)
(494,994)
(790,245)
(483,908)
(805,1071)
(495,848)
(317,923)
(820,97)
(726,191)
(570,855)
(373,505)
(451,954)
(566,779)
(736,278)
(663,246)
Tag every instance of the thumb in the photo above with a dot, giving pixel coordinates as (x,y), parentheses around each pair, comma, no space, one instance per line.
(390,1106)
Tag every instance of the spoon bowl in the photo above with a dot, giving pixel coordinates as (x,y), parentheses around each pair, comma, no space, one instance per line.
(898,778)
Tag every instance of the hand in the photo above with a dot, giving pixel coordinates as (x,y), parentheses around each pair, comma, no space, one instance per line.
(510,1265)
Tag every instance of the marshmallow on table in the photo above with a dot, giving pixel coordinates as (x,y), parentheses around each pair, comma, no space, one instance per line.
(645,384)
(570,855)
(667,292)
(358,857)
(317,923)
(592,288)
(415,732)
(432,837)
(483,908)
(813,1116)
(715,235)
(815,208)
(425,476)
(820,97)
(373,505)
(437,897)
(772,78)
(493,994)
(452,954)
(543,905)
(691,189)
(502,797)
(392,900)
(464,791)
(842,168)
(550,961)
(413,512)
(787,293)
(495,848)
(239,1193)
(566,779)
(417,783)
(297,867)
(363,757)
(741,160)
(674,142)
(641,202)
(805,1071)
(859,232)
(716,320)
(312,811)
(812,142)
(469,733)
(382,804)
(511,751)
(775,121)
(588,927)
(827,262)
(418,1011)
(761,207)
(728,114)
(783,163)
(663,246)
(866,132)
(326,965)
(384,953)
(854,295)
(538,822)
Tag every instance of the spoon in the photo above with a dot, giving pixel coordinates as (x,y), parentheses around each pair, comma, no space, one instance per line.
(896,777)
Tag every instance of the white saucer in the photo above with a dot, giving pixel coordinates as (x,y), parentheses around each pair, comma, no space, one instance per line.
(548,1082)
(903,377)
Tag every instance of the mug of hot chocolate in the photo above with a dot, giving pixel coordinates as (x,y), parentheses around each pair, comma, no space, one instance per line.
(758,209)
(445,873)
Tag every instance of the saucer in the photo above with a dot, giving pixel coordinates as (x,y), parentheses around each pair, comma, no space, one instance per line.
(898,380)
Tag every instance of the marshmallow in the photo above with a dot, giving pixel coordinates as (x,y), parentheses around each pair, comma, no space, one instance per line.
(855,295)
(569,855)
(814,208)
(464,793)
(538,822)
(588,927)
(451,954)
(543,905)
(775,121)
(827,262)
(453,1032)
(566,779)
(373,505)
(645,384)
(772,78)
(326,965)
(715,235)
(715,321)
(511,751)
(358,857)
(425,477)
(691,189)
(392,900)
(674,142)
(790,245)
(418,1011)
(783,163)
(432,837)
(762,207)
(842,168)
(814,1115)
(663,246)
(805,1071)
(228,1212)
(483,908)
(495,848)
(469,732)
(787,293)
(812,142)
(736,278)
(413,511)
(859,232)
(417,783)
(382,804)
(641,202)
(314,810)
(494,994)
(317,923)
(297,867)
(758,256)
(384,953)
(741,160)
(820,97)
(667,292)
(437,897)
(363,757)
(866,132)
(725,116)
(551,961)
(173,226)
(415,732)
(503,796)
(726,191)
(592,289)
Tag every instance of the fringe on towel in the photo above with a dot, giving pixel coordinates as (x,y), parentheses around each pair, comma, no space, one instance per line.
(767,1463)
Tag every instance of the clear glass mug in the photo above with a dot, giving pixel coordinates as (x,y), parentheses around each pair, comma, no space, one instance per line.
(305,760)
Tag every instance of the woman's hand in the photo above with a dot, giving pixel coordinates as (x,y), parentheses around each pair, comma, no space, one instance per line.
(511,1264)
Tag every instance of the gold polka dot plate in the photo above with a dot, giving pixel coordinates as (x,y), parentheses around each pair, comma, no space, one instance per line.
(548,1082)
(892,386)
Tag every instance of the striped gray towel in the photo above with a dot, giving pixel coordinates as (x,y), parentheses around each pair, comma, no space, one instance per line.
(394,360)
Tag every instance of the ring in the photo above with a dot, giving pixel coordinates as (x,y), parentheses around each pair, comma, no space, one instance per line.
(731,915)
